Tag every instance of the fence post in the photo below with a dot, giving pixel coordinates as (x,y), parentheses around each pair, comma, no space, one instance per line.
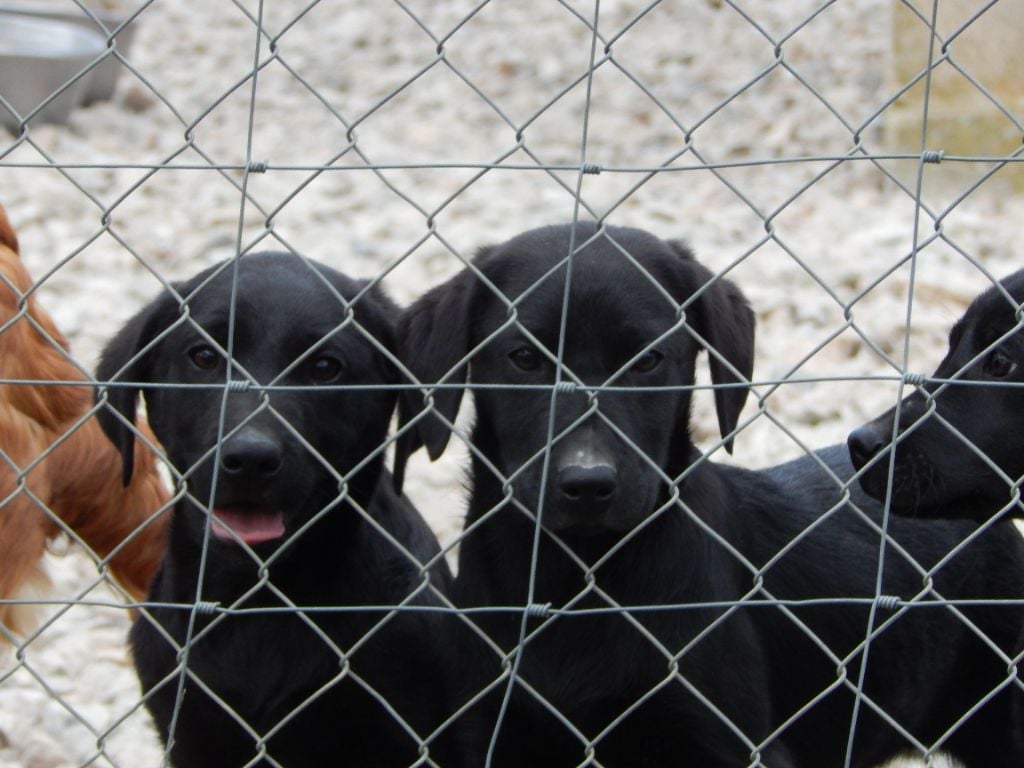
(962,120)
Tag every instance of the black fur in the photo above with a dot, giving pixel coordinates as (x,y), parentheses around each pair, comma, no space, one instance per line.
(593,668)
(927,667)
(943,427)
(298,510)
(613,532)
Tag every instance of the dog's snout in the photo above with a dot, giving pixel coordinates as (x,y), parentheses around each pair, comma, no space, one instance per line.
(588,485)
(251,456)
(864,444)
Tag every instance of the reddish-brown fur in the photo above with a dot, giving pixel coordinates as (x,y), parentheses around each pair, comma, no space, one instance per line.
(59,474)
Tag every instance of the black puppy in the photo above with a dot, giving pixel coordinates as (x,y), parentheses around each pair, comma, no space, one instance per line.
(286,506)
(940,675)
(688,684)
(959,446)
(587,494)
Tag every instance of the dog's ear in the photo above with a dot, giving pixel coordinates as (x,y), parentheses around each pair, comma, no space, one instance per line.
(378,315)
(121,361)
(7,236)
(724,319)
(433,336)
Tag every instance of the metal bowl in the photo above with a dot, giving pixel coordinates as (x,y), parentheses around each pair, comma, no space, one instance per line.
(103,78)
(38,57)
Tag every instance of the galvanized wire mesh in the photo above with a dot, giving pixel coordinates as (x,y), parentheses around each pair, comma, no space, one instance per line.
(392,142)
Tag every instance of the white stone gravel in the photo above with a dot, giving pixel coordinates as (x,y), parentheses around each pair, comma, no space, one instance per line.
(75,689)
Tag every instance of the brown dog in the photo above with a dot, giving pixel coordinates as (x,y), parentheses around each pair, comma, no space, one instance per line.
(59,474)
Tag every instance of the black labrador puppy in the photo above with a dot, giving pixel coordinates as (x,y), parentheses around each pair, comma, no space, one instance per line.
(600,475)
(286,506)
(939,671)
(958,449)
(661,627)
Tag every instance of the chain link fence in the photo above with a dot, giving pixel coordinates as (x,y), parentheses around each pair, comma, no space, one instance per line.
(852,166)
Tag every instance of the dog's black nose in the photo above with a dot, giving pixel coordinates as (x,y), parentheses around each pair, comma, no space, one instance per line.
(588,485)
(251,456)
(864,444)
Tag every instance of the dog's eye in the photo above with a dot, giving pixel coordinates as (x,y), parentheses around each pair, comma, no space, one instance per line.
(526,358)
(324,368)
(647,362)
(999,365)
(204,357)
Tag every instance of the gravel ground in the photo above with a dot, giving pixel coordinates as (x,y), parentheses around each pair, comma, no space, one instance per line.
(841,240)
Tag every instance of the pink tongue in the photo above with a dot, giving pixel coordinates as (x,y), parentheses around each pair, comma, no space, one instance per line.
(250,525)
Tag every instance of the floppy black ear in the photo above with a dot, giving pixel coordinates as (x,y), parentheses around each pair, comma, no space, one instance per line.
(433,336)
(723,317)
(378,315)
(121,361)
